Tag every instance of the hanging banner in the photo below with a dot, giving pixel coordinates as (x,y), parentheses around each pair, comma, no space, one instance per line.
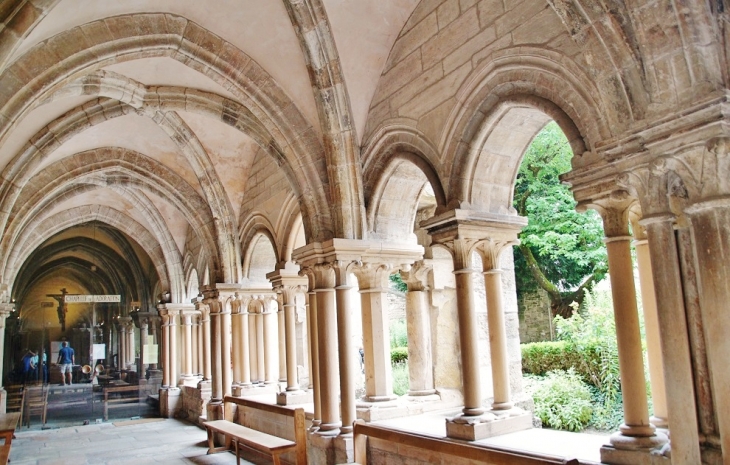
(91,298)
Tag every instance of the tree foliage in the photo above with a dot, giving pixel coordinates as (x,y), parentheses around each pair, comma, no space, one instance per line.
(561,250)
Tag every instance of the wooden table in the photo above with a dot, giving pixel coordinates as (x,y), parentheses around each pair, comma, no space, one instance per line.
(8,423)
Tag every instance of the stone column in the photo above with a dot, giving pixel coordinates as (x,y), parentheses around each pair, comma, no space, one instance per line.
(225,334)
(204,310)
(289,337)
(260,341)
(651,327)
(636,432)
(165,349)
(490,252)
(130,344)
(468,328)
(215,405)
(173,348)
(243,333)
(418,326)
(271,343)
(282,340)
(253,342)
(187,325)
(373,281)
(709,223)
(346,347)
(122,352)
(143,330)
(327,341)
(314,346)
(236,342)
(196,345)
(5,310)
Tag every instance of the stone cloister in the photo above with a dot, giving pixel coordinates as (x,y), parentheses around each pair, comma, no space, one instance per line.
(247,174)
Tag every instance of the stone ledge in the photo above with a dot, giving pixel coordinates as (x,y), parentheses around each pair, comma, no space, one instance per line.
(482,429)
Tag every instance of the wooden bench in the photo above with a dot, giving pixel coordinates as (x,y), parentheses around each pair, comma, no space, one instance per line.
(239,435)
(448,448)
(123,400)
(8,423)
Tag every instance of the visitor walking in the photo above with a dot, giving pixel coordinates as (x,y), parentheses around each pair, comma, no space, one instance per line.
(66,361)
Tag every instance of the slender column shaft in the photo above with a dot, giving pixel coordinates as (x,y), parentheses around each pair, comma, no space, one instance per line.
(143,329)
(236,343)
(173,350)
(245,347)
(165,350)
(281,317)
(468,336)
(314,348)
(620,268)
(253,347)
(130,345)
(420,365)
(346,358)
(123,347)
(328,379)
(497,340)
(376,344)
(216,356)
(651,330)
(225,331)
(260,346)
(4,312)
(680,392)
(187,344)
(271,346)
(290,335)
(195,344)
(205,323)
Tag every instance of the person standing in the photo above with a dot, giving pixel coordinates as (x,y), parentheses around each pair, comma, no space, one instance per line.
(28,366)
(66,361)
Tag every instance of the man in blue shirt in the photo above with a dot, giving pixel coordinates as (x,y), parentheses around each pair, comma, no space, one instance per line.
(66,361)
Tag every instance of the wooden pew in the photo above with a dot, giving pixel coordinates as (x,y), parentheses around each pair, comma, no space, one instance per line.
(237,411)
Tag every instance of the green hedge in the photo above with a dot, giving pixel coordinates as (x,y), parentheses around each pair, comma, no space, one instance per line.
(399,355)
(589,361)
(562,400)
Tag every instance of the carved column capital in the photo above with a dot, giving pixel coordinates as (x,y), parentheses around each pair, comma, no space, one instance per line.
(491,250)
(416,276)
(614,210)
(372,275)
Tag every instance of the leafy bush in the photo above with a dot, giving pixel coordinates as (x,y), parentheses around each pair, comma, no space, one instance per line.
(398,334)
(538,358)
(398,355)
(401,380)
(562,400)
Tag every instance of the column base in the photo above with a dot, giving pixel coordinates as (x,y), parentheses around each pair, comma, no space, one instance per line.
(422,398)
(384,410)
(658,454)
(330,450)
(188,380)
(490,424)
(169,402)
(294,397)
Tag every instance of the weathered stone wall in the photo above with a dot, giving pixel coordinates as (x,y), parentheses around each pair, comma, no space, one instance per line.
(535,316)
(193,402)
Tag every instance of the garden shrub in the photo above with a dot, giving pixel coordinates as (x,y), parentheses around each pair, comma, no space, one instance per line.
(562,400)
(398,355)
(401,379)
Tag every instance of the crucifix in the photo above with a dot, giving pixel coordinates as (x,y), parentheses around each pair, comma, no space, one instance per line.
(62,307)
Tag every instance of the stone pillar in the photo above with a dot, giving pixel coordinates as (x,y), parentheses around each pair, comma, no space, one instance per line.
(418,326)
(271,344)
(205,338)
(173,324)
(314,347)
(260,341)
(165,346)
(327,342)
(243,333)
(709,223)
(253,309)
(5,310)
(651,327)
(195,345)
(186,321)
(122,352)
(225,334)
(346,347)
(212,301)
(373,281)
(143,331)
(636,432)
(281,326)
(490,252)
(130,344)
(236,356)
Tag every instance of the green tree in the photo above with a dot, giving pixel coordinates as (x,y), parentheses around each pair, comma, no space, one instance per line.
(561,250)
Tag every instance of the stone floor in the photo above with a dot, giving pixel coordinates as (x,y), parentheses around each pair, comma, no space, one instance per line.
(151,441)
